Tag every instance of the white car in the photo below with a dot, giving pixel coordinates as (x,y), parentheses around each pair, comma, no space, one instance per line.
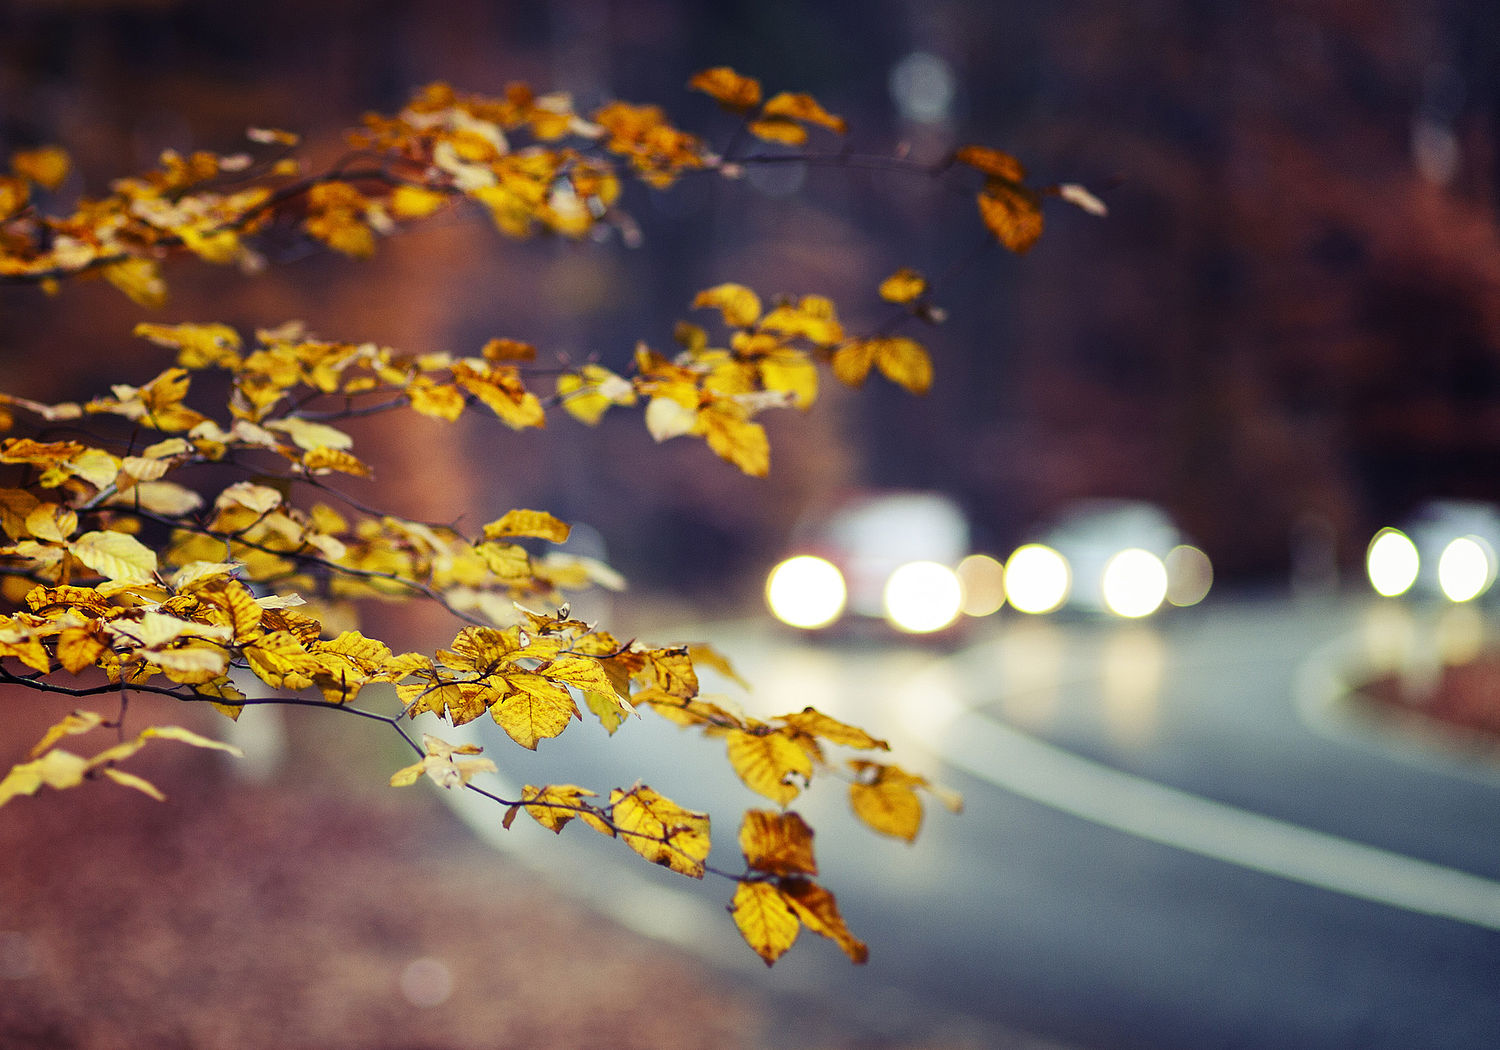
(896,557)
(1447,549)
(1123,557)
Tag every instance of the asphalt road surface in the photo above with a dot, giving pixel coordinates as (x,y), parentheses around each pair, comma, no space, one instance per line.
(1176,834)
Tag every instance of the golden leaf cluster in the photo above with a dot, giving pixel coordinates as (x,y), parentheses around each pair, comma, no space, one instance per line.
(123,568)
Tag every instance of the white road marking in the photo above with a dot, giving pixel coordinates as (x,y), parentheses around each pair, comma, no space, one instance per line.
(1094,792)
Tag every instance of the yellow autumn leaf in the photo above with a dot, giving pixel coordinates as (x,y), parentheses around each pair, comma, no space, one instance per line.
(590,392)
(812,318)
(415,202)
(47,166)
(115,555)
(662,831)
(138,278)
(79,648)
(242,613)
(440,765)
(741,441)
(777,843)
(740,306)
(555,805)
(508,350)
(673,670)
(55,769)
(585,672)
(337,216)
(733,91)
(815,723)
(534,710)
(187,736)
(851,362)
(1012,213)
(460,703)
(765,918)
(281,661)
(197,345)
(890,807)
(308,435)
(608,708)
(904,362)
(769,764)
(790,372)
(130,780)
(74,724)
(52,522)
(534,523)
(903,286)
(784,130)
(438,400)
(189,664)
(325,460)
(508,561)
(666,418)
(501,390)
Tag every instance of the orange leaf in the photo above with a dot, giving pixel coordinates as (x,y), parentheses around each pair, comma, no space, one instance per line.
(1013,214)
(991,162)
(733,91)
(804,108)
(777,843)
(819,912)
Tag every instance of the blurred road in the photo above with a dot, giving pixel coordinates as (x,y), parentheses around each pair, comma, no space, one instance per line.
(1174,836)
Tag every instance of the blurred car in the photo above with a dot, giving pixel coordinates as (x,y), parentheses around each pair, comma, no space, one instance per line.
(897,558)
(1123,557)
(1446,549)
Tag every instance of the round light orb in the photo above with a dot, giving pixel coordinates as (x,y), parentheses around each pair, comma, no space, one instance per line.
(1037,579)
(983,579)
(922,596)
(1466,568)
(806,591)
(1134,583)
(1190,575)
(1392,563)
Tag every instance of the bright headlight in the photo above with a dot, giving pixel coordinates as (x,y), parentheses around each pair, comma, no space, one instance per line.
(1036,578)
(1392,563)
(1466,568)
(1134,583)
(923,596)
(806,591)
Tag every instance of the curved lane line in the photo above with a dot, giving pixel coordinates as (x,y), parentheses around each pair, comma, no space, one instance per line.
(1102,795)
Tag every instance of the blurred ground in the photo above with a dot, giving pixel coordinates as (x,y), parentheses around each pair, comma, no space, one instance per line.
(322,913)
(1461,705)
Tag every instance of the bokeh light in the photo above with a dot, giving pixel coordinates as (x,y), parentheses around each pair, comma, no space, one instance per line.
(983,579)
(1037,578)
(1392,563)
(1134,583)
(806,591)
(923,596)
(1466,568)
(1190,575)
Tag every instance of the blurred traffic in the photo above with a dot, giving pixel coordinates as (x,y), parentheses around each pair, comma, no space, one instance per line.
(1446,550)
(907,560)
